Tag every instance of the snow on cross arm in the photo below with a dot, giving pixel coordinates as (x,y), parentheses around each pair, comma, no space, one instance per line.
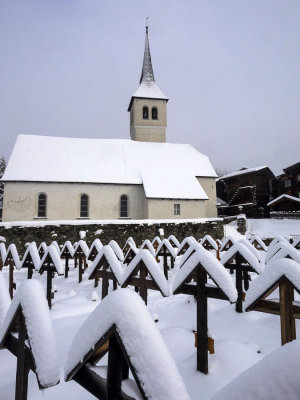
(33,251)
(68,246)
(273,271)
(143,343)
(55,257)
(249,257)
(146,243)
(14,252)
(168,245)
(112,260)
(30,296)
(117,249)
(210,240)
(153,268)
(213,267)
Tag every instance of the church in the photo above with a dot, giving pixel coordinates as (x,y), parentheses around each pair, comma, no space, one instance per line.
(144,177)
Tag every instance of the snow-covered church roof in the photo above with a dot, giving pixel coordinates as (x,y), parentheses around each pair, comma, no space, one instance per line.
(166,170)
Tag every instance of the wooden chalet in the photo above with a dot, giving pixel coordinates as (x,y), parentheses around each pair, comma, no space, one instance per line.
(247,190)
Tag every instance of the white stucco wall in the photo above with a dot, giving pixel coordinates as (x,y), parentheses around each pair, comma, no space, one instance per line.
(209,186)
(63,200)
(148,130)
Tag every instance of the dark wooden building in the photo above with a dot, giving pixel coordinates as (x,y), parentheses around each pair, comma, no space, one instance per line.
(289,182)
(248,190)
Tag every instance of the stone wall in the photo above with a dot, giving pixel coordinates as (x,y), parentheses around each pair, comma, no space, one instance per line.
(105,232)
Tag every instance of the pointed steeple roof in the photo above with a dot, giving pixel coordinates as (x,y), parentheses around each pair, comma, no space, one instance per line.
(147,74)
(148,88)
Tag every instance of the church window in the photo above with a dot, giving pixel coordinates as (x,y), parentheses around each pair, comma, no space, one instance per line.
(42,203)
(145,112)
(84,206)
(124,206)
(176,209)
(154,113)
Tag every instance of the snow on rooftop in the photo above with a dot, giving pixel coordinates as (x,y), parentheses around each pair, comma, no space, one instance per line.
(144,344)
(149,90)
(116,161)
(284,196)
(241,172)
(272,272)
(214,269)
(31,297)
(275,377)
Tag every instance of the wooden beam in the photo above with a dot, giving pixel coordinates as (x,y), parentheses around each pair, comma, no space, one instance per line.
(287,320)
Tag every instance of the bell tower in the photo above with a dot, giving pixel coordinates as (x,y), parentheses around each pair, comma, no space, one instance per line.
(148,105)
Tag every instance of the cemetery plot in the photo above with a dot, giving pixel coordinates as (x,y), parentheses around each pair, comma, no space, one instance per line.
(192,279)
(94,249)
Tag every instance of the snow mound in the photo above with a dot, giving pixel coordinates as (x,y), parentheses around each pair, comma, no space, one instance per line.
(30,296)
(144,344)
(275,377)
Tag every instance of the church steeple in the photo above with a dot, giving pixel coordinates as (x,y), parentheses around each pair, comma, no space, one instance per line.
(147,74)
(148,105)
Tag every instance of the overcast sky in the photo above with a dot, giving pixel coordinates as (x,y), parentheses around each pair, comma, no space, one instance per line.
(230,68)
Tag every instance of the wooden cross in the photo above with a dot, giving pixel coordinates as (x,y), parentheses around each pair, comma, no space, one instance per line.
(102,271)
(201,291)
(165,253)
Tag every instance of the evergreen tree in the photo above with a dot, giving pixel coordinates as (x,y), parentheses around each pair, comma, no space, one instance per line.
(3,164)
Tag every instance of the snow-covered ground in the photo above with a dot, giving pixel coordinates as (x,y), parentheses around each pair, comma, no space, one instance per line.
(270,228)
(241,340)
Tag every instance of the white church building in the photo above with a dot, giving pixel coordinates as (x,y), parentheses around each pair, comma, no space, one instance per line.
(57,178)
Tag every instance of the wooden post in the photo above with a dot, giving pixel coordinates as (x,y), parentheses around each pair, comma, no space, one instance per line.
(287,320)
(165,258)
(67,267)
(246,279)
(143,288)
(49,285)
(80,269)
(239,284)
(22,369)
(11,279)
(202,350)
(218,252)
(30,272)
(114,370)
(104,279)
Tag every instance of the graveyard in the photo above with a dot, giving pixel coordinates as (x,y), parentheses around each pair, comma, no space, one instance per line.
(196,318)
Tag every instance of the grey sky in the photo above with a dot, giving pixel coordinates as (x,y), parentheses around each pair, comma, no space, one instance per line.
(231,69)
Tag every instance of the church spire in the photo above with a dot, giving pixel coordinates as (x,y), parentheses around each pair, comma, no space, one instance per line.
(147,70)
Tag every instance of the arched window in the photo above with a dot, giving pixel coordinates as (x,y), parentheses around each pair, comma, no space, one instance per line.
(42,205)
(145,112)
(154,113)
(124,206)
(84,206)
